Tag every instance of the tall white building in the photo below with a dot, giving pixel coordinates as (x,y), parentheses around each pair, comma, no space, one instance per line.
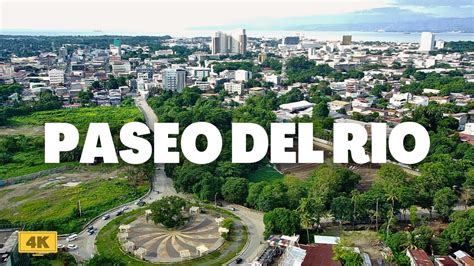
(223,43)
(427,42)
(120,68)
(56,76)
(174,79)
(243,75)
(234,87)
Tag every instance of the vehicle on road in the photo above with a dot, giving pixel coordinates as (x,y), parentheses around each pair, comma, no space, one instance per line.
(124,208)
(60,246)
(71,247)
(140,203)
(232,209)
(105,217)
(239,260)
(90,228)
(71,238)
(119,213)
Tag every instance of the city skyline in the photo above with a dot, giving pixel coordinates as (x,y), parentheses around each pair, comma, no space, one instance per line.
(159,18)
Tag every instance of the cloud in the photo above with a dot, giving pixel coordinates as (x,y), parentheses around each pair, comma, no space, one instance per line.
(432,3)
(438,8)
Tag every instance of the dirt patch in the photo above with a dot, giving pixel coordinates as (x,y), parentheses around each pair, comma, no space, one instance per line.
(14,195)
(367,242)
(22,130)
(367,172)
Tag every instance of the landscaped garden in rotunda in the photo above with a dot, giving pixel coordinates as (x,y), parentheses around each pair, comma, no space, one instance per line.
(171,231)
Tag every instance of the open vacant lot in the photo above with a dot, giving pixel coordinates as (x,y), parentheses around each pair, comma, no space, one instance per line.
(22,141)
(367,171)
(52,202)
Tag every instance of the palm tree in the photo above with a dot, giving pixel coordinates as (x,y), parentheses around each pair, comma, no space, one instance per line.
(354,199)
(391,197)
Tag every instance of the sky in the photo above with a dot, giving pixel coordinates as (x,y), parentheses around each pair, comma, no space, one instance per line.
(171,17)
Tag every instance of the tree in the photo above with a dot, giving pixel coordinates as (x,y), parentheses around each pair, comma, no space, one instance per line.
(320,110)
(433,178)
(345,254)
(85,97)
(310,210)
(272,196)
(468,188)
(281,221)
(443,201)
(296,190)
(235,190)
(209,187)
(414,220)
(422,237)
(341,208)
(328,181)
(392,180)
(168,211)
(460,231)
(103,260)
(255,189)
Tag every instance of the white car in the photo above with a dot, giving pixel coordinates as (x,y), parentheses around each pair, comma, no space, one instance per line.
(60,246)
(71,238)
(71,247)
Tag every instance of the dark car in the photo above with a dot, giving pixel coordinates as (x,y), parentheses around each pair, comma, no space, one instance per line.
(239,260)
(119,212)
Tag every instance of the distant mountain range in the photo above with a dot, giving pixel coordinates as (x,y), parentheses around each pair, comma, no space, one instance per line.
(433,25)
(392,19)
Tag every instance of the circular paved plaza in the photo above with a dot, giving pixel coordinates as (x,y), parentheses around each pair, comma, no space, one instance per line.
(156,243)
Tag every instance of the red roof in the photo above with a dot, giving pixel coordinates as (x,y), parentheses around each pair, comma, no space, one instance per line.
(467,260)
(446,261)
(319,255)
(466,138)
(420,257)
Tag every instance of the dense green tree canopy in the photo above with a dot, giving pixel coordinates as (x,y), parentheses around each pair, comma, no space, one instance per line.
(168,211)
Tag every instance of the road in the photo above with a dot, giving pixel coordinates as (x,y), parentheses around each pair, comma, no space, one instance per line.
(254,221)
(163,186)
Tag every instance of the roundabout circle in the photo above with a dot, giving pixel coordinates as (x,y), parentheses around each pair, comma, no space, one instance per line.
(156,243)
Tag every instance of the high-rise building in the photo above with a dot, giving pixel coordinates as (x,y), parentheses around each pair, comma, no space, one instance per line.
(261,57)
(290,40)
(439,44)
(427,42)
(56,76)
(223,43)
(346,39)
(242,75)
(174,79)
(118,45)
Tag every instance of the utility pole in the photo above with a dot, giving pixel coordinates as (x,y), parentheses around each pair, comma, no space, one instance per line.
(79,207)
(377,214)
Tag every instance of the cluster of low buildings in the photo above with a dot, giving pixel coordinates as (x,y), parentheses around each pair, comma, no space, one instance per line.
(70,70)
(286,250)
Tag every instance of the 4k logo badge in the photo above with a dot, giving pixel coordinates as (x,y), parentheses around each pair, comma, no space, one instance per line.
(37,242)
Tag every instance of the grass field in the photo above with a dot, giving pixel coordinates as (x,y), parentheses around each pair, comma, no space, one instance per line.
(81,117)
(30,156)
(53,205)
(265,173)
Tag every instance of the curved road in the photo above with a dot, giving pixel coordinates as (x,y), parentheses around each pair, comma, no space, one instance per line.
(163,186)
